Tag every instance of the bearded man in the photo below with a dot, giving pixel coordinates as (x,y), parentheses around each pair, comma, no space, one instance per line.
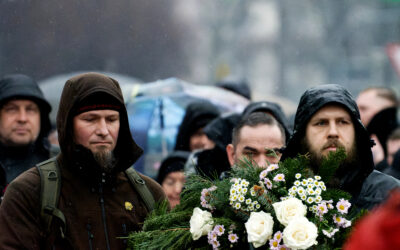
(98,202)
(327,119)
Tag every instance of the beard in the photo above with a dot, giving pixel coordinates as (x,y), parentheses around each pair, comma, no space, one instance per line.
(345,169)
(105,159)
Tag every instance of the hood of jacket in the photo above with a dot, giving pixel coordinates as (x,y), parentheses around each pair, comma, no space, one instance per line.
(76,91)
(220,129)
(313,100)
(197,115)
(274,109)
(383,124)
(20,86)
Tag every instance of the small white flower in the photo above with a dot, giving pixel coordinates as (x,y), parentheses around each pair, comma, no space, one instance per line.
(237,205)
(297,183)
(244,190)
(310,180)
(317,177)
(318,191)
(297,176)
(303,197)
(318,199)
(248,201)
(241,198)
(304,182)
(310,200)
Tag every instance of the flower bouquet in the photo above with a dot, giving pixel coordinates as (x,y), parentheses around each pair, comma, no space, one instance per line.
(283,206)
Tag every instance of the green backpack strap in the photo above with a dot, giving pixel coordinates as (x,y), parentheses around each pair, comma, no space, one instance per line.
(50,179)
(140,186)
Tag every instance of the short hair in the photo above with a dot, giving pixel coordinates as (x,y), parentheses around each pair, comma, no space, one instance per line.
(253,120)
(395,135)
(385,93)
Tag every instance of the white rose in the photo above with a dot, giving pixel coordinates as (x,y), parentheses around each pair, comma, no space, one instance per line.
(288,209)
(259,228)
(200,223)
(300,233)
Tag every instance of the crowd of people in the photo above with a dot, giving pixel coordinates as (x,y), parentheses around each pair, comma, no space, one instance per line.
(85,194)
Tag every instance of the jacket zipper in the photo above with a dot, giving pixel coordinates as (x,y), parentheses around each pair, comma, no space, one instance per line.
(103,215)
(90,236)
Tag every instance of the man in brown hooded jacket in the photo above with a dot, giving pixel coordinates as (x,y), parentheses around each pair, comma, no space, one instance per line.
(97,199)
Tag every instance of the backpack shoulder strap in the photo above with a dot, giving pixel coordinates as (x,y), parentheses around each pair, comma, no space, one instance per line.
(50,180)
(140,186)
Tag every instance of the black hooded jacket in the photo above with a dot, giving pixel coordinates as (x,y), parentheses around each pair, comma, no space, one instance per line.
(367,186)
(197,115)
(16,160)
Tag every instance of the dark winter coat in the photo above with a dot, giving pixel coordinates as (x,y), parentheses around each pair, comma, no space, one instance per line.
(368,187)
(16,160)
(84,186)
(197,115)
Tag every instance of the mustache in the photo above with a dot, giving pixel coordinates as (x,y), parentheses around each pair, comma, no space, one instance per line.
(333,142)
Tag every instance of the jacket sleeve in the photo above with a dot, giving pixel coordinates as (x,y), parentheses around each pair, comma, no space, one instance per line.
(19,213)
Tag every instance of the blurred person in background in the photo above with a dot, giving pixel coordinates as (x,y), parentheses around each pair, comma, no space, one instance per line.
(211,163)
(190,134)
(24,124)
(378,111)
(171,176)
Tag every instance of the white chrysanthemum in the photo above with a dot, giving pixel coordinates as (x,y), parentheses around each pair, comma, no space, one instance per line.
(318,199)
(252,192)
(297,183)
(317,177)
(310,200)
(304,182)
(310,180)
(233,191)
(237,205)
(234,198)
(297,176)
(300,191)
(241,198)
(244,190)
(303,197)
(310,186)
(248,201)
(310,191)
(318,191)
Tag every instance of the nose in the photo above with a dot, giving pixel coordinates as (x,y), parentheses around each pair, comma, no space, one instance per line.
(333,132)
(22,117)
(261,160)
(102,129)
(178,188)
